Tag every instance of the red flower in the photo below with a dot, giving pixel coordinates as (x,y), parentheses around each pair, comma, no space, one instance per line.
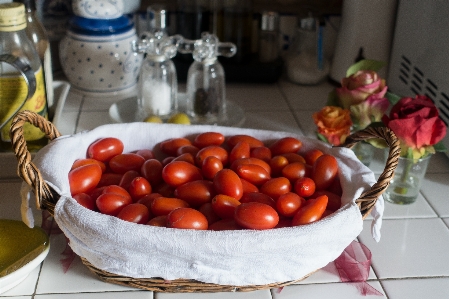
(416,122)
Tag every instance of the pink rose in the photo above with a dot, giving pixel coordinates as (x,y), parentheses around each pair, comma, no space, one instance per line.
(370,110)
(359,86)
(416,122)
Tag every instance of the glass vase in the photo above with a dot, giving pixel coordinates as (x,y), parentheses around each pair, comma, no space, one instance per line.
(364,152)
(404,187)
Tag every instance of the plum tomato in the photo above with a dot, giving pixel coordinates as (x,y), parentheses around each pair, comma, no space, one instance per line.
(239,151)
(124,162)
(248,187)
(135,212)
(258,197)
(147,200)
(81,162)
(164,205)
(187,218)
(250,160)
(324,171)
(152,170)
(164,189)
(311,155)
(177,173)
(187,149)
(294,157)
(304,187)
(225,224)
(127,178)
(227,182)
(224,206)
(288,204)
(211,150)
(139,187)
(112,203)
(167,160)
(186,157)
(277,163)
(211,165)
(196,193)
(171,146)
(208,211)
(117,190)
(160,221)
(252,141)
(208,138)
(311,211)
(110,178)
(275,187)
(253,173)
(84,178)
(104,149)
(334,200)
(256,215)
(86,201)
(285,145)
(261,152)
(146,154)
(294,171)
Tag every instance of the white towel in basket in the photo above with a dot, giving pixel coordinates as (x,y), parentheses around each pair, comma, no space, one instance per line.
(245,257)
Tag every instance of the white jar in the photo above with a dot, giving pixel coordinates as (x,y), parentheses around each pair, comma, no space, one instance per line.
(98,9)
(100,62)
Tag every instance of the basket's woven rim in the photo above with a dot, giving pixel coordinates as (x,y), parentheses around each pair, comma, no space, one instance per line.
(46,198)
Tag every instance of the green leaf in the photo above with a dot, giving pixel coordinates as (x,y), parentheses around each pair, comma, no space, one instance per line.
(332,99)
(366,64)
(439,147)
(392,98)
(322,138)
(377,142)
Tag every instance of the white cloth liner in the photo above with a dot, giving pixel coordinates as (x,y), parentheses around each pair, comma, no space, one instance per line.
(245,257)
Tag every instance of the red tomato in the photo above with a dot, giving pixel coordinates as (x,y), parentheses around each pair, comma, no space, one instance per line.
(239,151)
(253,173)
(208,211)
(304,187)
(284,222)
(311,155)
(164,205)
(138,188)
(224,206)
(84,178)
(86,201)
(255,161)
(186,157)
(164,189)
(248,187)
(167,160)
(117,190)
(334,200)
(127,178)
(125,162)
(147,200)
(105,148)
(160,221)
(187,218)
(258,197)
(256,215)
(277,163)
(96,192)
(152,171)
(335,187)
(211,150)
(177,173)
(262,152)
(294,171)
(135,212)
(110,178)
(227,182)
(311,211)
(275,187)
(112,203)
(81,162)
(208,138)
(146,153)
(196,193)
(293,157)
(285,145)
(324,171)
(211,165)
(171,146)
(289,203)
(225,224)
(191,149)
(252,141)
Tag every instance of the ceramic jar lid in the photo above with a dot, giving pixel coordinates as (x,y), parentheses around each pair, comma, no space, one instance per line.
(100,27)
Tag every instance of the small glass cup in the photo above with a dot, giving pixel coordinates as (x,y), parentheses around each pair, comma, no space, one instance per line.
(404,187)
(364,152)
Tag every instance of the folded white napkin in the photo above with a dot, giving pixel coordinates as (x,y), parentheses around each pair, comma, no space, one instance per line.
(245,257)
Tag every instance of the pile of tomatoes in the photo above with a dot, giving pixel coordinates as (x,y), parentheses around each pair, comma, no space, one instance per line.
(209,182)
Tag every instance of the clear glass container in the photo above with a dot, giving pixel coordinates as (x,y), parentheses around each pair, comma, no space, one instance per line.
(269,37)
(206,79)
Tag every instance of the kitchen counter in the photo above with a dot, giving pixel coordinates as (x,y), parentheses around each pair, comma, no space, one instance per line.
(410,261)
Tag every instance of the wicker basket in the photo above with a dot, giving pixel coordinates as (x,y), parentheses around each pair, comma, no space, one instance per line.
(46,198)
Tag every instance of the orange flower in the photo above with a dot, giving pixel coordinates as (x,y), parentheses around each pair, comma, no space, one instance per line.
(334,124)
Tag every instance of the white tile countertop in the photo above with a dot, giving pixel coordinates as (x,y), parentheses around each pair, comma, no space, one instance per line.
(410,261)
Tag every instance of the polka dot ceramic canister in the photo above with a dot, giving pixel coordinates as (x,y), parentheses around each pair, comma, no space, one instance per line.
(98,9)
(97,57)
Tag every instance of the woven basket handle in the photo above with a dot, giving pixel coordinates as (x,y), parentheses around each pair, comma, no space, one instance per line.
(368,199)
(26,169)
